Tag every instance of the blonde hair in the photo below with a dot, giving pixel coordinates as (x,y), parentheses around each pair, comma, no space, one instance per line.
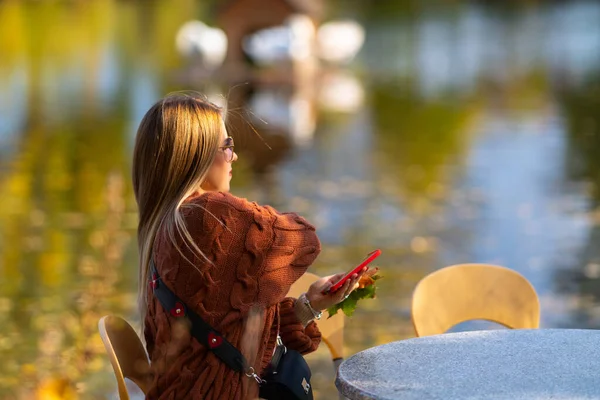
(175,146)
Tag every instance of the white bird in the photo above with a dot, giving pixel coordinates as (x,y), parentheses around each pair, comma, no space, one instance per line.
(341,92)
(340,41)
(196,39)
(292,40)
(336,42)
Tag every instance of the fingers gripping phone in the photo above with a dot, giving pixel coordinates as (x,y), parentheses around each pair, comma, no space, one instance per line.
(368,259)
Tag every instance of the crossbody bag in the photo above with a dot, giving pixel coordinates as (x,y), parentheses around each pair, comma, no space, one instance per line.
(286,377)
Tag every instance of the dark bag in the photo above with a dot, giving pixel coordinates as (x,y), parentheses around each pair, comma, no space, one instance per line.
(288,374)
(287,377)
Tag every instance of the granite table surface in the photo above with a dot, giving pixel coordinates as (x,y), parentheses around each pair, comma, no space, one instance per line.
(498,364)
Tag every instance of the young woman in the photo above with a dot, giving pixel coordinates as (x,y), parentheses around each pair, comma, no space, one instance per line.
(229,260)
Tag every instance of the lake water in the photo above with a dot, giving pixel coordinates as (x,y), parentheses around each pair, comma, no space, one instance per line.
(462,134)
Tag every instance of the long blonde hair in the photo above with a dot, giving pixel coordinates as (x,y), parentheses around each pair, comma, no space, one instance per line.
(175,145)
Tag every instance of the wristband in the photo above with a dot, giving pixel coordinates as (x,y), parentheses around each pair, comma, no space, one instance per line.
(306,302)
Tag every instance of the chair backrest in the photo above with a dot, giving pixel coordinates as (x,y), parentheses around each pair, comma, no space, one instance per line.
(126,352)
(465,292)
(332,329)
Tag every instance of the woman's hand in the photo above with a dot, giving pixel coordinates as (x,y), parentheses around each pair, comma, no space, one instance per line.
(320,301)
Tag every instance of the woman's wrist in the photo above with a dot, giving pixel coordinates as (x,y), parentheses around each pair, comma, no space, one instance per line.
(305,311)
(303,314)
(314,304)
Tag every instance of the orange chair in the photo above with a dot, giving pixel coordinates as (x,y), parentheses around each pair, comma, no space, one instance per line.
(127,354)
(465,292)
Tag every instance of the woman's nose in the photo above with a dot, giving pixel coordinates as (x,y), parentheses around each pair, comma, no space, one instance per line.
(235,157)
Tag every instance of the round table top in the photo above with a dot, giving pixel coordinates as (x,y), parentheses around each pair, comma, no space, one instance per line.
(498,364)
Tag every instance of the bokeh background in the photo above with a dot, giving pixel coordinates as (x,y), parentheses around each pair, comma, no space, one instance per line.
(439,132)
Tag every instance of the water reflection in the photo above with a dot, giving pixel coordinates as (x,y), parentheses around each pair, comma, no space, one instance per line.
(448,50)
(580,103)
(467,133)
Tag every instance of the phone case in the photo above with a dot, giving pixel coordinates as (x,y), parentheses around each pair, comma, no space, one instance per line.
(370,257)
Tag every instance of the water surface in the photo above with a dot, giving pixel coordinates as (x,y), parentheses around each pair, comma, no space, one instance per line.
(462,134)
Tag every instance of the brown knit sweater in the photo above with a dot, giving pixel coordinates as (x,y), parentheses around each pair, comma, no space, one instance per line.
(257,254)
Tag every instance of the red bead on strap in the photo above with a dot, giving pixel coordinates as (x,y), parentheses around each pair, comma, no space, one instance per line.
(178,310)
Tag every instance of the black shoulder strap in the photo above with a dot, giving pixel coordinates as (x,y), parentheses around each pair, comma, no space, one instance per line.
(201,330)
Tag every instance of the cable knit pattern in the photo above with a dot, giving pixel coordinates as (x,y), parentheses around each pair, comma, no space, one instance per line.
(257,254)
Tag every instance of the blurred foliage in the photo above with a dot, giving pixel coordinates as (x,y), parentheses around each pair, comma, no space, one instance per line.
(364,9)
(421,139)
(53,33)
(407,9)
(65,232)
(65,229)
(581,107)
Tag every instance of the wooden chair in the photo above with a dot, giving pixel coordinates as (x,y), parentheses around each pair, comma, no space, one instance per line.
(127,354)
(332,329)
(465,292)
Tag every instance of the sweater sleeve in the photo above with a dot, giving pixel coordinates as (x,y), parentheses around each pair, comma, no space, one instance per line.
(294,247)
(293,334)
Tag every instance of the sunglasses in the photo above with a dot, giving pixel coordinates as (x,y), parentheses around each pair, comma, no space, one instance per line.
(228,149)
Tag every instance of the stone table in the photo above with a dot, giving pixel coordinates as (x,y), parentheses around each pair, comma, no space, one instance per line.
(498,364)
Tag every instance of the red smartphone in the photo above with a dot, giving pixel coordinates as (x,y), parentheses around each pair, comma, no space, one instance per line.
(370,257)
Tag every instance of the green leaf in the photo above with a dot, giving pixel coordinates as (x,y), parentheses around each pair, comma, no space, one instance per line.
(348,306)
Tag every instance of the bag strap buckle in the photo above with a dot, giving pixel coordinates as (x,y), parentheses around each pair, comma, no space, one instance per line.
(250,373)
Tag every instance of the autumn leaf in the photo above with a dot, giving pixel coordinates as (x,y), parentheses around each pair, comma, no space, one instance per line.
(366,291)
(367,278)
